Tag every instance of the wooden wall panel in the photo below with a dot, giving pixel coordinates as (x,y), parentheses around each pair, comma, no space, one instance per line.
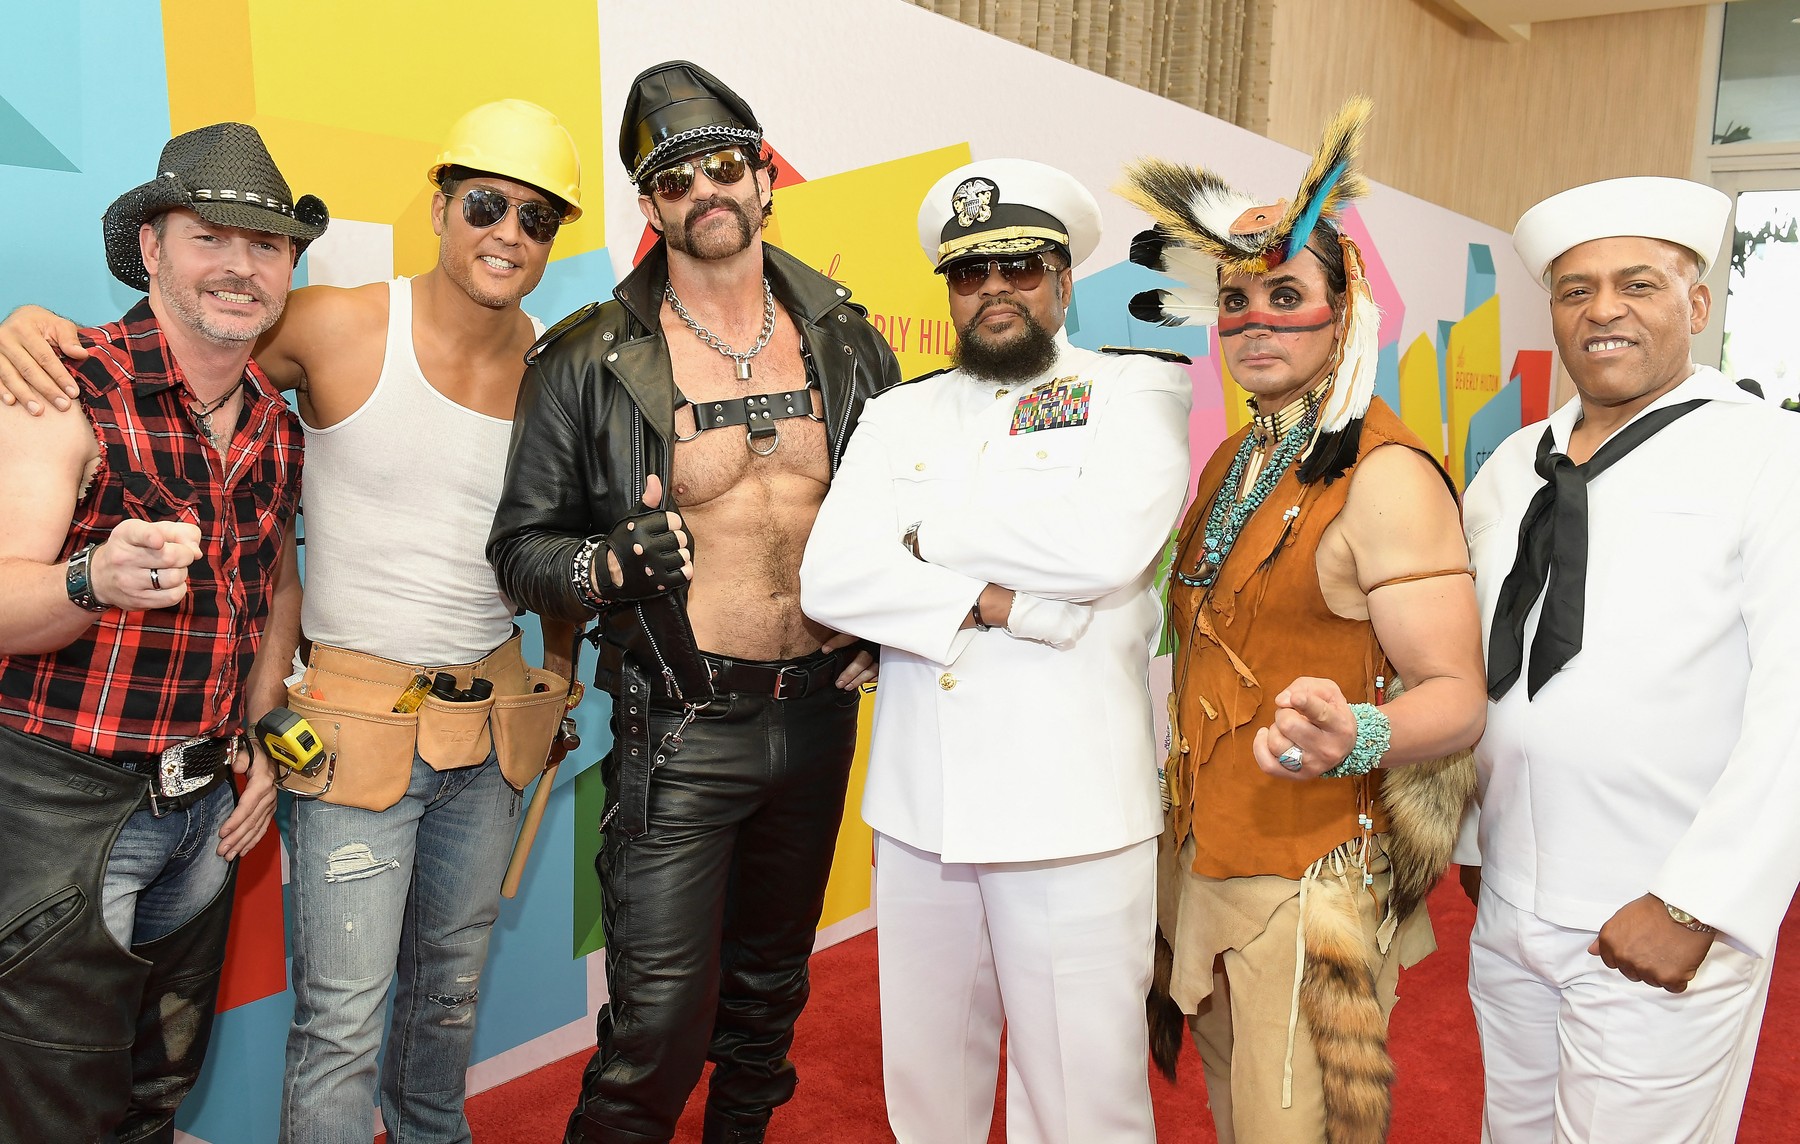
(1483,127)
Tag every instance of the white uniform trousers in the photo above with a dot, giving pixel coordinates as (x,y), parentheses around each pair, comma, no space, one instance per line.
(1058,951)
(1577,1054)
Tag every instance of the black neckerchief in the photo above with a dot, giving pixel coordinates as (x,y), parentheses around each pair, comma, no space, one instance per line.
(1553,549)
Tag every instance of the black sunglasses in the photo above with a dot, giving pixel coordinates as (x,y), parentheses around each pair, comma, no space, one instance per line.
(723,168)
(1025,272)
(482,208)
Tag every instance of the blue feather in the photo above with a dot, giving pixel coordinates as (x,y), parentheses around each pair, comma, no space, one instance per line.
(1303,226)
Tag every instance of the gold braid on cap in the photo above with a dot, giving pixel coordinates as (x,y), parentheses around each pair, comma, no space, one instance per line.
(1205,230)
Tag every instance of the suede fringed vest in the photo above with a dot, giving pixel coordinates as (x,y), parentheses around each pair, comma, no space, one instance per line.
(1265,624)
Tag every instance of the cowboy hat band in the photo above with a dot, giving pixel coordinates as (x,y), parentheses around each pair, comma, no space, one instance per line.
(224,174)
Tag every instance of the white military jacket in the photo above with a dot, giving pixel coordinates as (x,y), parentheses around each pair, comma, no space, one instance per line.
(1665,757)
(986,747)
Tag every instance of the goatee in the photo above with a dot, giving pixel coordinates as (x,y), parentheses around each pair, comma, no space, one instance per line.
(1025,356)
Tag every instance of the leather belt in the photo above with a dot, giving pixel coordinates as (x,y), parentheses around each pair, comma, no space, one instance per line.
(183,774)
(793,679)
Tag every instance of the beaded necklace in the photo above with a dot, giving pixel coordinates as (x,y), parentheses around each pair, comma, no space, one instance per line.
(1227,517)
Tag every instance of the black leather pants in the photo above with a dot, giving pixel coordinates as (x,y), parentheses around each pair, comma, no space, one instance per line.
(96,1044)
(710,914)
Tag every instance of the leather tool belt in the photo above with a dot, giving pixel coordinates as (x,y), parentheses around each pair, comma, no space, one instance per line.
(348,697)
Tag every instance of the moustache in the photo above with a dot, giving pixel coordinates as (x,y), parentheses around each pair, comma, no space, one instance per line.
(701,207)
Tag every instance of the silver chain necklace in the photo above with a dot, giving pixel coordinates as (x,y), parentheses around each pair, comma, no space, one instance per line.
(717,343)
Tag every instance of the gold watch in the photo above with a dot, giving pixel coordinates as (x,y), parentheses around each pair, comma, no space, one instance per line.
(1686,920)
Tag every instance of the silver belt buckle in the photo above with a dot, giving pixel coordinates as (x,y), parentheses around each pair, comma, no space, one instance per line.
(798,676)
(172,779)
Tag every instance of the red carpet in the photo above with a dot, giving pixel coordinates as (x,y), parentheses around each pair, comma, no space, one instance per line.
(1437,1099)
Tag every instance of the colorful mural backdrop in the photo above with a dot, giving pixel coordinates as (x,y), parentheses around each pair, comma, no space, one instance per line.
(866,102)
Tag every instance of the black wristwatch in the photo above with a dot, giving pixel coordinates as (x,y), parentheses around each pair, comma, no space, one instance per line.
(81,589)
(981,625)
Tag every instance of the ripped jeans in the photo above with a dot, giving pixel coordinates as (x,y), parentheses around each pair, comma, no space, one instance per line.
(414,888)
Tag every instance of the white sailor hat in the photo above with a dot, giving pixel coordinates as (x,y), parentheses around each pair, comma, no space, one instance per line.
(998,207)
(1673,210)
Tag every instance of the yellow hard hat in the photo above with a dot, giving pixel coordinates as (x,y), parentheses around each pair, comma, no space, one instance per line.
(516,140)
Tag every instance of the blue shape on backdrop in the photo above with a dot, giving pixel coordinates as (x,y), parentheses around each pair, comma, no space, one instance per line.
(1478,286)
(1387,375)
(91,73)
(1099,314)
(1490,425)
(238,1097)
(23,145)
(571,283)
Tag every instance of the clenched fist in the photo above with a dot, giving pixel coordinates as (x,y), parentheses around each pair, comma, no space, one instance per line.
(143,564)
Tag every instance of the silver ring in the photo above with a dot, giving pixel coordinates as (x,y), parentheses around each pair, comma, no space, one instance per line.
(1291,759)
(155,580)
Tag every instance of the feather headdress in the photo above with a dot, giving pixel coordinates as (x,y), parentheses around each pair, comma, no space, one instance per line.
(1205,230)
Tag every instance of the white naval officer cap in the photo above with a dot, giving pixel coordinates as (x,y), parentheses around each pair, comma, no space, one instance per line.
(1644,206)
(1001,207)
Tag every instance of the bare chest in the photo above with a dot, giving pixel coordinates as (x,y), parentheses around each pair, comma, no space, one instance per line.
(734,433)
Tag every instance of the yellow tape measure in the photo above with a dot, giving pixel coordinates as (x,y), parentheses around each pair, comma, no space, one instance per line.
(290,740)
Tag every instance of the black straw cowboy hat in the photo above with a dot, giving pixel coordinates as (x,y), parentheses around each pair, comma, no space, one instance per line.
(222,173)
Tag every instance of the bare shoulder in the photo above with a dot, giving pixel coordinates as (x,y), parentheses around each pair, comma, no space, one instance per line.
(44,461)
(1401,518)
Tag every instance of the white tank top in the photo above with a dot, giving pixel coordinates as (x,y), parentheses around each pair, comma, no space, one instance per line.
(398,500)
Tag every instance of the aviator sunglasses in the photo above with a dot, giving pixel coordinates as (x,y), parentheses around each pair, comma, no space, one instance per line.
(722,168)
(482,208)
(1025,272)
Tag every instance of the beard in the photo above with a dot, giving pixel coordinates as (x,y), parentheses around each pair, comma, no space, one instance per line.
(183,300)
(723,237)
(1028,353)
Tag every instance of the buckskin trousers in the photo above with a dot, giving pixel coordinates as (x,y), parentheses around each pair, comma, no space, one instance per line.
(710,898)
(97,1044)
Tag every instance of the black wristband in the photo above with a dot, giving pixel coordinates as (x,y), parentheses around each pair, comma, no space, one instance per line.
(981,625)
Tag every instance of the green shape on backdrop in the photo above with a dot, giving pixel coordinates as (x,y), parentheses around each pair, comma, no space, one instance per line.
(590,803)
(22,145)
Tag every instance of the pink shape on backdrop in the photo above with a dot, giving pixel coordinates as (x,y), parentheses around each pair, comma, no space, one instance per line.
(1393,307)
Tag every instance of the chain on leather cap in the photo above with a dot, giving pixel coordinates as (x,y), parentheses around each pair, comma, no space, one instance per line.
(676,109)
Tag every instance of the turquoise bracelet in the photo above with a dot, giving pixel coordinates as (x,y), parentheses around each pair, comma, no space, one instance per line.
(1372,740)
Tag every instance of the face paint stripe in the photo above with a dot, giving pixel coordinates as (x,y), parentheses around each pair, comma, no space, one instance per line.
(1278,324)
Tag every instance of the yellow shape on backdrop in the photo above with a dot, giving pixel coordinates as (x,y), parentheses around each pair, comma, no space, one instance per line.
(1472,371)
(1421,400)
(859,227)
(354,99)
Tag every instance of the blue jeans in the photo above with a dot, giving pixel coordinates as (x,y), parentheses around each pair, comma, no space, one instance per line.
(415,887)
(163,871)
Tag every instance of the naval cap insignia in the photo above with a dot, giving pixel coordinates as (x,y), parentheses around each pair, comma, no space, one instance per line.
(974,201)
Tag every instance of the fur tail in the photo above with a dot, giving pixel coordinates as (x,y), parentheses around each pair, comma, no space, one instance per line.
(1425,805)
(1349,1032)
(1167,1024)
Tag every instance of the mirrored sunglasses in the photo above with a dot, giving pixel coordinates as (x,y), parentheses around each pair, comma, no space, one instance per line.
(722,168)
(482,208)
(1025,272)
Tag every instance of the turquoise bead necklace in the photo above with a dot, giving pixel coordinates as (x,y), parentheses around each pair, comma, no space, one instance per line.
(1228,515)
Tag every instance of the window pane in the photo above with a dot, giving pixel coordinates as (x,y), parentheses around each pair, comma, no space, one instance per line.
(1759,73)
(1762,313)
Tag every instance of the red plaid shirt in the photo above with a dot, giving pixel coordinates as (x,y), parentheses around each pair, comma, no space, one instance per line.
(137,682)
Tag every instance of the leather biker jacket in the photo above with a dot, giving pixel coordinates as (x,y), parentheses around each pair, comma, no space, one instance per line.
(596,414)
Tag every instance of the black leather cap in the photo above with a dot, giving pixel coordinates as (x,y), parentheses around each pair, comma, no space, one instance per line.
(676,109)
